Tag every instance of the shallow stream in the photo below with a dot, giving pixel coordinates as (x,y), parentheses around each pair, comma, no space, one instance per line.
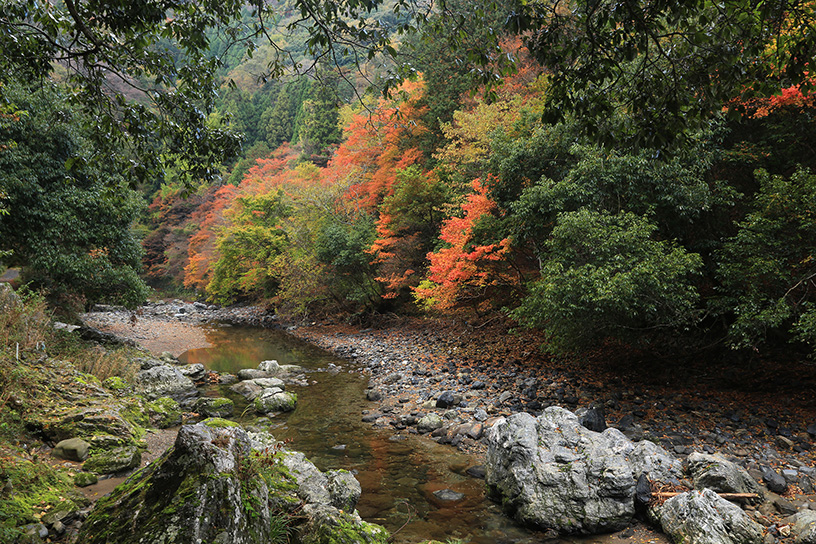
(398,471)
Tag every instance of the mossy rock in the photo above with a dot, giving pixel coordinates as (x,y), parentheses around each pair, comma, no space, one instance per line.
(115,383)
(217,422)
(164,412)
(84,479)
(214,407)
(327,525)
(117,459)
(276,402)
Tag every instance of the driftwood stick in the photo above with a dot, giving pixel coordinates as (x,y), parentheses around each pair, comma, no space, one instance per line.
(727,496)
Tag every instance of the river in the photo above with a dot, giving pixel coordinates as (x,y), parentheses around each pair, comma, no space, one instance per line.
(398,471)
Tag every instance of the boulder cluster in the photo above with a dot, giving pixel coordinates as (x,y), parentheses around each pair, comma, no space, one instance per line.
(553,473)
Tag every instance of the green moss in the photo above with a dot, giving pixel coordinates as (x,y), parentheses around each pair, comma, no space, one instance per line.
(344,529)
(36,488)
(114,460)
(218,422)
(84,479)
(164,412)
(115,383)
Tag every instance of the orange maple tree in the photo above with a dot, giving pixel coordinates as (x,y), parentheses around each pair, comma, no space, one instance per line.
(464,271)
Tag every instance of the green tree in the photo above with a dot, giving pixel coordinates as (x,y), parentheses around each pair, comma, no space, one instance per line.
(607,276)
(642,73)
(768,269)
(69,220)
(159,52)
(248,248)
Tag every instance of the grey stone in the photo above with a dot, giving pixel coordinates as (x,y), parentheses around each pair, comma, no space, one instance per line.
(804,527)
(195,371)
(773,480)
(445,400)
(720,475)
(344,489)
(551,472)
(594,420)
(274,400)
(247,389)
(72,449)
(703,517)
(448,495)
(270,366)
(429,422)
(164,381)
(252,373)
(480,415)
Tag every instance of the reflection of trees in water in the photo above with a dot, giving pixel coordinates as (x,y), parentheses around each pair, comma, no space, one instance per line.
(235,348)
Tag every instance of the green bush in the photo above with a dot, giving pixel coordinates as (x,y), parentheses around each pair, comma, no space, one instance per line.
(607,276)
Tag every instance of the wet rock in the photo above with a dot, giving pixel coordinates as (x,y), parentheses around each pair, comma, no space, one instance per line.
(448,495)
(72,449)
(214,407)
(372,417)
(551,472)
(773,480)
(477,471)
(703,517)
(274,400)
(445,400)
(164,381)
(720,475)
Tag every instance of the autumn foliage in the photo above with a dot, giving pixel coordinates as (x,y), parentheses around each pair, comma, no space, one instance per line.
(465,271)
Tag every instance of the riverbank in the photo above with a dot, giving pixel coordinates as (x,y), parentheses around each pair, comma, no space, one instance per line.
(483,372)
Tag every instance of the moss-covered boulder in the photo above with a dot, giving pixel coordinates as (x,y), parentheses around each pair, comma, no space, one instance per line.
(84,479)
(113,460)
(274,400)
(328,525)
(164,381)
(219,484)
(164,412)
(214,407)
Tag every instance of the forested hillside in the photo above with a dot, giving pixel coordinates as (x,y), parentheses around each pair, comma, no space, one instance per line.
(638,175)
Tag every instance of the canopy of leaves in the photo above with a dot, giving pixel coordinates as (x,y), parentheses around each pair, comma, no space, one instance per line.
(69,218)
(606,276)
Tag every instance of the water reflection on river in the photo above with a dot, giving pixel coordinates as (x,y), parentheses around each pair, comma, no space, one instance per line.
(398,472)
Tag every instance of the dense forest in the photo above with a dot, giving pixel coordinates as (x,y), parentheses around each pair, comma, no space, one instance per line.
(636,174)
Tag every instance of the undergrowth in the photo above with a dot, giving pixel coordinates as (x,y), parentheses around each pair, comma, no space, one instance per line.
(29,491)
